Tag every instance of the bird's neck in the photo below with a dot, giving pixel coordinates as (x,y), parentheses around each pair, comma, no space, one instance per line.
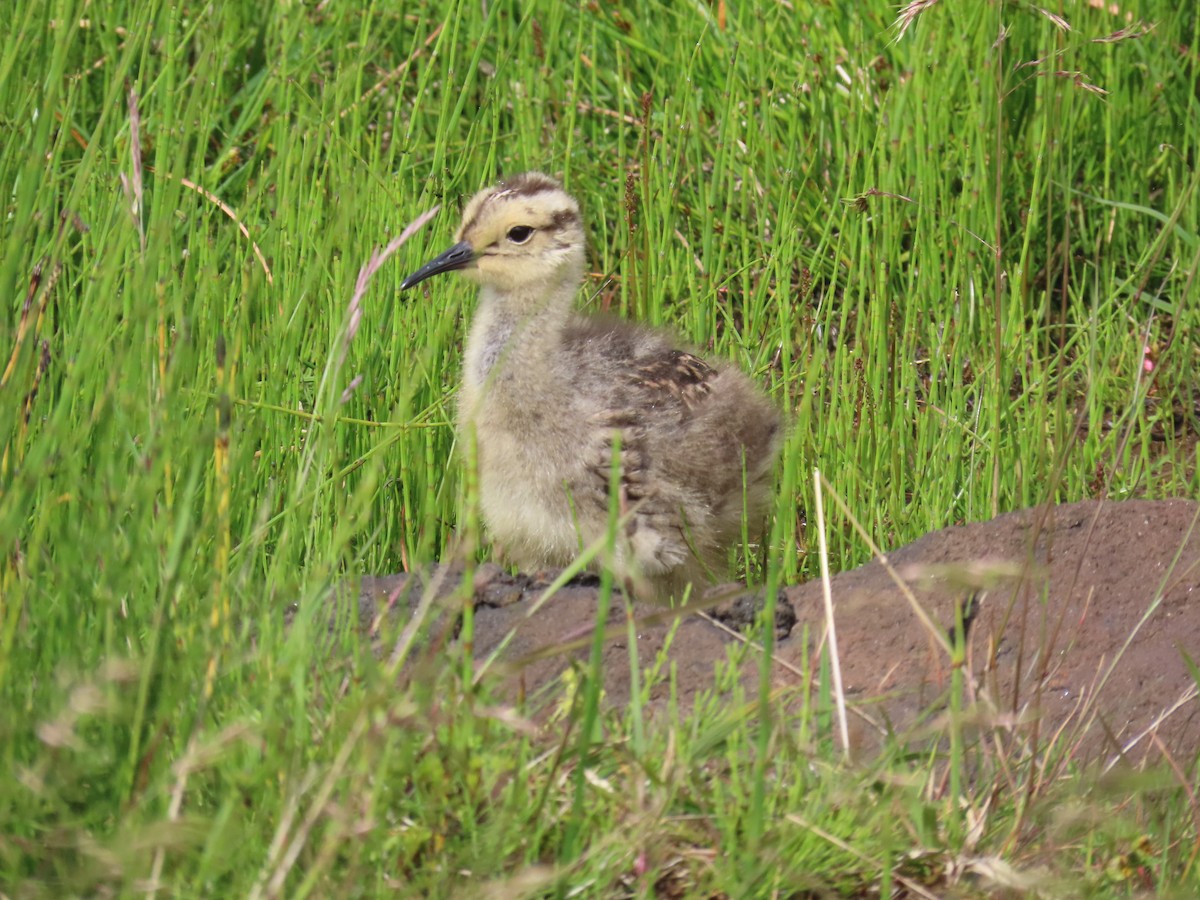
(514,333)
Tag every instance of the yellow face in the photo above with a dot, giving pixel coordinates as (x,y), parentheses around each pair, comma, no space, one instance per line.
(524,233)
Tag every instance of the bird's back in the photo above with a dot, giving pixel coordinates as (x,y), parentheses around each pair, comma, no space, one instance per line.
(698,440)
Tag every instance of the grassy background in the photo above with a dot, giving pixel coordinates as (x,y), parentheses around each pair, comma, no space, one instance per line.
(952,258)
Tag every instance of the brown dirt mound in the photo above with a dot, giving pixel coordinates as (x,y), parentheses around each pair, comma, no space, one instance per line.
(1078,621)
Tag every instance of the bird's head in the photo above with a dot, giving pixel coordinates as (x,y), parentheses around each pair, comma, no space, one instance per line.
(523,235)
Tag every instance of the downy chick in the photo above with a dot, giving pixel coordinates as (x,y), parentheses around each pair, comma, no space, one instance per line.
(546,392)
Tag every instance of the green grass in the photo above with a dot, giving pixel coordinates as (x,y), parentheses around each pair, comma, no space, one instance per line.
(944,255)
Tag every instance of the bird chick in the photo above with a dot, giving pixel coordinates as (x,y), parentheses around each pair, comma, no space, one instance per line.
(547,394)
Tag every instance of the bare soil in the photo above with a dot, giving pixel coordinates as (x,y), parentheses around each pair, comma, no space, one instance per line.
(1079,621)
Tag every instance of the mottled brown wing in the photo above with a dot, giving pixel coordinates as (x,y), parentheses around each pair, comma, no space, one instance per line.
(676,374)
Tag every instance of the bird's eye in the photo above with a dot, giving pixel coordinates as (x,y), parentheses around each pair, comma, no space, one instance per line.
(519,234)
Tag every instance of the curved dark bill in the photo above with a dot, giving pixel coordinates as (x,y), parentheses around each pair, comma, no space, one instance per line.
(460,256)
